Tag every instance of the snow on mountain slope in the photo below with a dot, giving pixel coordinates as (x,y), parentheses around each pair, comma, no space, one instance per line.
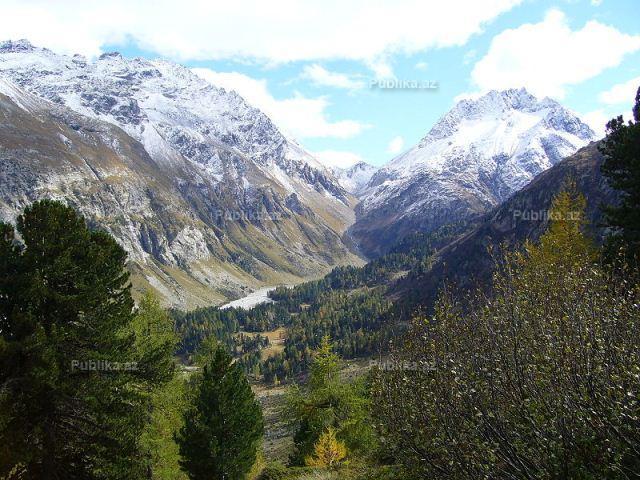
(475,157)
(164,105)
(355,178)
(254,207)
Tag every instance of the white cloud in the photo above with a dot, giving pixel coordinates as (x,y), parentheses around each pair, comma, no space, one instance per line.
(299,116)
(395,145)
(338,158)
(421,65)
(381,67)
(598,119)
(596,3)
(270,32)
(323,77)
(622,93)
(547,57)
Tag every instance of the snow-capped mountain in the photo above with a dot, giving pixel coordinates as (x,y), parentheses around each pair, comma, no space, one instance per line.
(168,109)
(475,157)
(355,178)
(221,199)
(468,262)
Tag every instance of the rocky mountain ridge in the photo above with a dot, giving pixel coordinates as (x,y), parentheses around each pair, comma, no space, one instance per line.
(226,202)
(467,261)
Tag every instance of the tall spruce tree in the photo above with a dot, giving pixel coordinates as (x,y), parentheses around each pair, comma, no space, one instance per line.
(72,402)
(621,149)
(223,425)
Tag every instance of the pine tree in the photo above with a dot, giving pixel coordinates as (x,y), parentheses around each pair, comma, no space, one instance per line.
(168,406)
(325,367)
(621,149)
(65,324)
(155,339)
(223,425)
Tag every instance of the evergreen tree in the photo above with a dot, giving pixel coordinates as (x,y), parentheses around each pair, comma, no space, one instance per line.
(325,368)
(223,424)
(168,406)
(73,402)
(621,149)
(155,339)
(155,342)
(327,403)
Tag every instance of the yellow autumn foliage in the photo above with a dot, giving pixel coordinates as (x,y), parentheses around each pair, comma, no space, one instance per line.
(328,451)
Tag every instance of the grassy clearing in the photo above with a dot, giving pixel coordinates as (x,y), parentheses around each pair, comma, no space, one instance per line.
(276,338)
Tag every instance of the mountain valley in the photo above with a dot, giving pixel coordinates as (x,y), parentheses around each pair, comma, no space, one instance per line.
(276,248)
(211,201)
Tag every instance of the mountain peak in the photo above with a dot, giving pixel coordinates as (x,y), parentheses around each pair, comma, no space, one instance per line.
(355,178)
(361,165)
(515,98)
(108,55)
(22,45)
(497,104)
(476,156)
(512,98)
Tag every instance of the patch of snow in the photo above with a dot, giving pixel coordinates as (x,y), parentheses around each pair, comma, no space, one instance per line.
(257,297)
(355,178)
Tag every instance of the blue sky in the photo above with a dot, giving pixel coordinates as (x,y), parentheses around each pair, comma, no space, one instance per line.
(311,65)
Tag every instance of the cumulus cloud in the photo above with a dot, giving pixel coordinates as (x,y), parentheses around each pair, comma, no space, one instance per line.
(338,158)
(273,32)
(299,116)
(549,56)
(622,93)
(598,119)
(395,145)
(320,76)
